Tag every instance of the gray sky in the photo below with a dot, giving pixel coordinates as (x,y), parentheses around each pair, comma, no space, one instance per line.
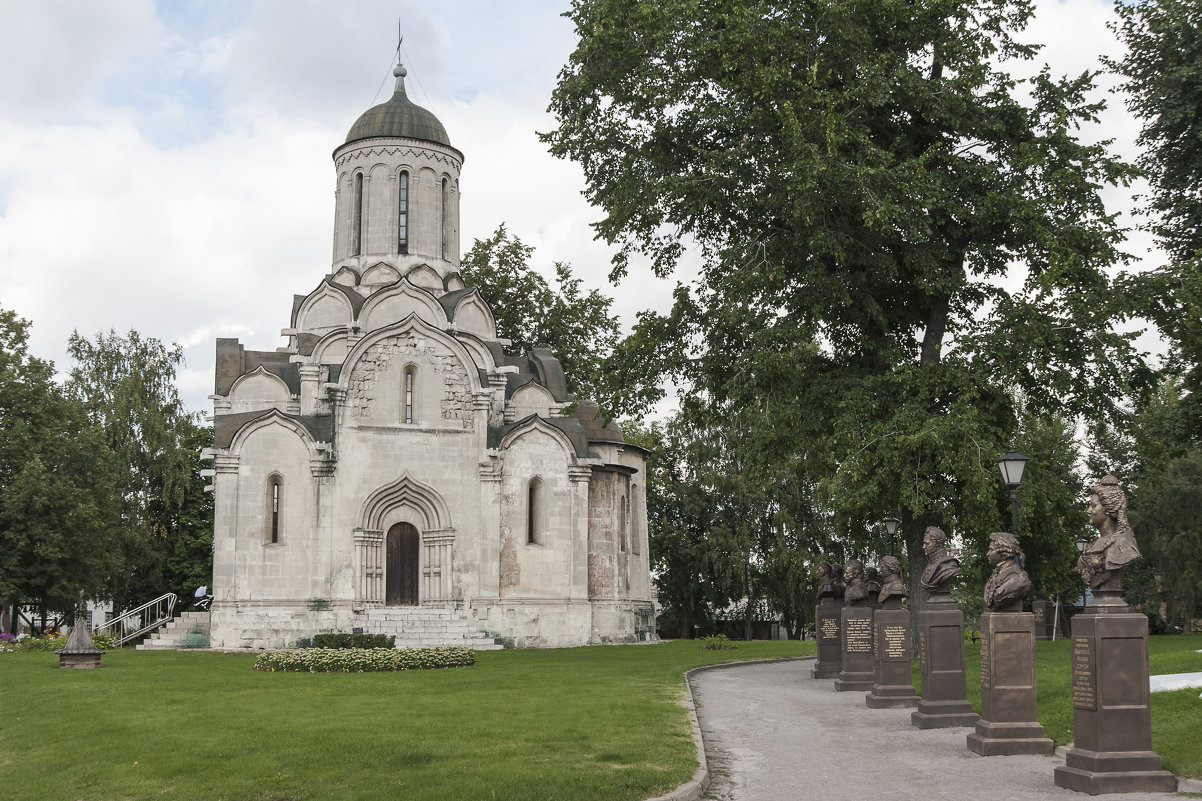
(165,166)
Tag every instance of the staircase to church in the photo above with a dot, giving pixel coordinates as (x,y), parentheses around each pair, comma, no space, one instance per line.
(424,627)
(189,630)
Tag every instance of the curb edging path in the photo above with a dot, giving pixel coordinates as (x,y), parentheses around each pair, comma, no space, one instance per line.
(696,786)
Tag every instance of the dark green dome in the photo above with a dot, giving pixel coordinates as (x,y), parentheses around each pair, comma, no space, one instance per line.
(399,117)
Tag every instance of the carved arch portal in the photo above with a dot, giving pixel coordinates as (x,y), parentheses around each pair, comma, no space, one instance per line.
(405,501)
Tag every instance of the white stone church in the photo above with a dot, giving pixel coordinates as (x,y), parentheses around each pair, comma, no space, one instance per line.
(394,470)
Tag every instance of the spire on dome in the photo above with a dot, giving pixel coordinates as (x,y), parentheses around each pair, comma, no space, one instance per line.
(400,72)
(399,116)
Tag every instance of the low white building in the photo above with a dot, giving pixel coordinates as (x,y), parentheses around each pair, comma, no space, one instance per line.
(393,466)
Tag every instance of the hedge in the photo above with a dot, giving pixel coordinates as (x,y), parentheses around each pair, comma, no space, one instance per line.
(364,660)
(341,639)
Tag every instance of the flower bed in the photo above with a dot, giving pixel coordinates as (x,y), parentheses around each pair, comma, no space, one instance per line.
(364,660)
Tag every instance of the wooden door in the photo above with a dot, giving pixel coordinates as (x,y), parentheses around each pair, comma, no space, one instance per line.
(403,544)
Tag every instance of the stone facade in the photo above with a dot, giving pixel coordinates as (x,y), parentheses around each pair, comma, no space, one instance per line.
(394,455)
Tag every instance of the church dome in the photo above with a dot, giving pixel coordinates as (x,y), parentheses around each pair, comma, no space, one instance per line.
(399,117)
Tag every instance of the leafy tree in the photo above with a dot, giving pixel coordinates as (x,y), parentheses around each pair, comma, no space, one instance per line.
(1167,519)
(58,518)
(1162,69)
(863,183)
(126,384)
(678,516)
(575,324)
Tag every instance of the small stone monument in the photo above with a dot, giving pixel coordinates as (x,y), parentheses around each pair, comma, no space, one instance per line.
(892,686)
(855,629)
(80,651)
(1112,720)
(1045,616)
(1008,723)
(944,701)
(826,622)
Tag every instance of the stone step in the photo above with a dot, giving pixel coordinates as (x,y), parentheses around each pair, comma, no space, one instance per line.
(176,632)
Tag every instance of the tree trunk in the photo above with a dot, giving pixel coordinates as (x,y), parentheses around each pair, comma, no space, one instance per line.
(912,530)
(747,632)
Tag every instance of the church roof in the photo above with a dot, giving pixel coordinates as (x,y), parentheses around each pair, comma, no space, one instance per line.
(398,117)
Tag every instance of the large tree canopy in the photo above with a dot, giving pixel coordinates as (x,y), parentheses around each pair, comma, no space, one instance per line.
(1163,72)
(127,386)
(58,486)
(530,312)
(899,236)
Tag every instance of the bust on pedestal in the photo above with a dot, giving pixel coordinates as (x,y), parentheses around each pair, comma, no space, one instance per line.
(944,701)
(856,631)
(1112,720)
(826,622)
(893,686)
(1008,723)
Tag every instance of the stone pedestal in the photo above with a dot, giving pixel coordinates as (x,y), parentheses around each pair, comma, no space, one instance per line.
(1044,613)
(1008,723)
(893,685)
(826,630)
(80,651)
(1112,722)
(855,631)
(944,702)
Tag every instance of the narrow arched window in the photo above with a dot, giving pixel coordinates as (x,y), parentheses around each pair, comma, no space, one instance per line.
(275,510)
(636,528)
(622,531)
(443,218)
(407,393)
(402,220)
(358,215)
(534,512)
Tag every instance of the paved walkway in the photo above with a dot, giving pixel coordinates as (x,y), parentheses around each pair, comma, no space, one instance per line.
(774,734)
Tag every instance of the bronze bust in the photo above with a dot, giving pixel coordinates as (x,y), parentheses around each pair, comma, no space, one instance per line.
(942,567)
(1009,583)
(891,580)
(857,589)
(826,581)
(1115,544)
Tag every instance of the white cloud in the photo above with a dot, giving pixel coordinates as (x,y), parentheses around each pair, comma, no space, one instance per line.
(173,174)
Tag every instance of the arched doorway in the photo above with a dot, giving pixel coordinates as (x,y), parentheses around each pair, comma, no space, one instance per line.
(403,547)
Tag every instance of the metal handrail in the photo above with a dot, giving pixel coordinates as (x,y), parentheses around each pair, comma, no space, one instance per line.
(136,622)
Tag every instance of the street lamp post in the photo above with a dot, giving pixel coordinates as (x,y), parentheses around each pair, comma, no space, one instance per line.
(891,526)
(1012,466)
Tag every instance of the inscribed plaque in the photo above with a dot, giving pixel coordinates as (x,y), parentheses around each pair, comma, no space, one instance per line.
(895,642)
(986,667)
(830,628)
(1084,696)
(859,636)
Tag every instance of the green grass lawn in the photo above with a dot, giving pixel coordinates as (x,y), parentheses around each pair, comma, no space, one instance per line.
(1176,716)
(579,723)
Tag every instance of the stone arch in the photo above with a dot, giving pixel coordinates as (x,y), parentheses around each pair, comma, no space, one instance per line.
(426,277)
(401,502)
(259,389)
(415,324)
(275,417)
(331,348)
(535,423)
(346,277)
(473,315)
(430,506)
(483,356)
(326,308)
(395,303)
(380,274)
